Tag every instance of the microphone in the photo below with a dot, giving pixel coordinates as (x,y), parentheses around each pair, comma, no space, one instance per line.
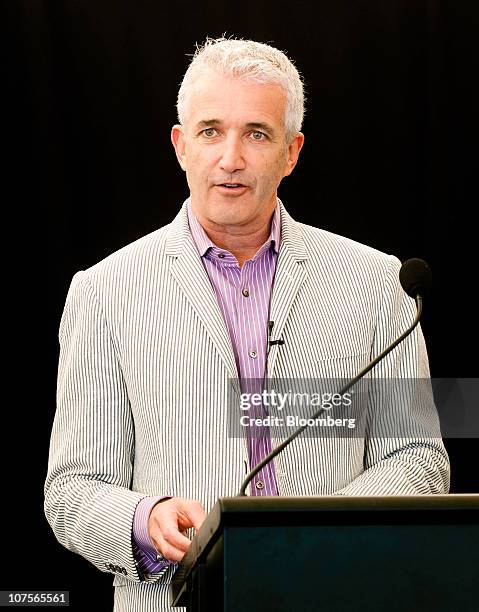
(415,277)
(272,342)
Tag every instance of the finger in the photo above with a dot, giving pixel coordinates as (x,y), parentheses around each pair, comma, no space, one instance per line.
(192,513)
(173,537)
(167,527)
(170,552)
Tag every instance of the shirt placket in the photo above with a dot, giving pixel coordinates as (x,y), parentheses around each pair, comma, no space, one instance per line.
(252,361)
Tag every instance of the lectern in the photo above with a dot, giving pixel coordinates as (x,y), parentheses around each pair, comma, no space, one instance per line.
(301,554)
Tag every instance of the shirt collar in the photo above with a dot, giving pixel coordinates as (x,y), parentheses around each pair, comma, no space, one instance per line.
(204,243)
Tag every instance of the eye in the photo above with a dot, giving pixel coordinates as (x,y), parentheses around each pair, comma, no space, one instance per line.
(209,132)
(258,135)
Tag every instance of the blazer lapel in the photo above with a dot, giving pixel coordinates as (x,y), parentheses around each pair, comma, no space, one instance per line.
(290,275)
(190,274)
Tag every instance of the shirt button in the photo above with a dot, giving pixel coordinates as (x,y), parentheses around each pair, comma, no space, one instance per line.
(253,354)
(259,485)
(245,292)
(221,255)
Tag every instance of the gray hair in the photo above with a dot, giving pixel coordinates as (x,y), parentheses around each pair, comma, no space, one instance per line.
(250,60)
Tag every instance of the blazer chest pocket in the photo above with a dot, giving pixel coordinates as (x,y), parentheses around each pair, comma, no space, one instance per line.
(340,367)
(315,382)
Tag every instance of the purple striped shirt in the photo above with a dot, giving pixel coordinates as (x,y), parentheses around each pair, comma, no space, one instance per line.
(243,296)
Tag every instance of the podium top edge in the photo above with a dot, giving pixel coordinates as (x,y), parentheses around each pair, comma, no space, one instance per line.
(456,501)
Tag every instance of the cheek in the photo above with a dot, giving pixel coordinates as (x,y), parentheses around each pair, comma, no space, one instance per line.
(272,170)
(201,161)
(197,168)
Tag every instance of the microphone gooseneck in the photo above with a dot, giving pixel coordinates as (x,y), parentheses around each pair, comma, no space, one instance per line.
(415,277)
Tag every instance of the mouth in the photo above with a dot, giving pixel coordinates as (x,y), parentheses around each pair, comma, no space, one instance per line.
(231,188)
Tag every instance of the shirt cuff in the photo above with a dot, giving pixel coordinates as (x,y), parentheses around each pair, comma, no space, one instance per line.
(143,549)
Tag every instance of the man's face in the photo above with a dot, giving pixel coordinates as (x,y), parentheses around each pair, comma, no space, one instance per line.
(234,151)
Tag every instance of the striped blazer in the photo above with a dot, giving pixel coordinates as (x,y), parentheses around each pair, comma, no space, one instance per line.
(145,364)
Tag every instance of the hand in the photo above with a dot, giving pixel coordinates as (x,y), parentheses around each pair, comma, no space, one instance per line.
(168,523)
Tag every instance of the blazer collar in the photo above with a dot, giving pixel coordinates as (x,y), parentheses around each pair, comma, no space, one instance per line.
(179,234)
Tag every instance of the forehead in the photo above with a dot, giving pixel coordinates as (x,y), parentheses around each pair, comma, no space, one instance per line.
(235,101)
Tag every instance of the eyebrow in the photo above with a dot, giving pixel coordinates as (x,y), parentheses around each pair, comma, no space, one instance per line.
(258,125)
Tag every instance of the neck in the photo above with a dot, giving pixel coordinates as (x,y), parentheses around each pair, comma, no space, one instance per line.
(242,246)
(242,241)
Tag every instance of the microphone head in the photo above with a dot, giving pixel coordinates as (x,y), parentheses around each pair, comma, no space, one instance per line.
(416,277)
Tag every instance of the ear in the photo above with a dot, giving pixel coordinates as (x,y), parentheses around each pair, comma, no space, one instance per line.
(178,142)
(294,149)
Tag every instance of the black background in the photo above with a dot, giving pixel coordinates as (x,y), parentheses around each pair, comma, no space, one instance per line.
(390,160)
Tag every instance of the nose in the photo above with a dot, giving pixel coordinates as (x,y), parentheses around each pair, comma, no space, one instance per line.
(232,157)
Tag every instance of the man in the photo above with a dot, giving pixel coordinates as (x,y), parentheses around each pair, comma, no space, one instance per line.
(152,336)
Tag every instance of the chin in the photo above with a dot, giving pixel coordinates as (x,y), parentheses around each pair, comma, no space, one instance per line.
(230,213)
(229,218)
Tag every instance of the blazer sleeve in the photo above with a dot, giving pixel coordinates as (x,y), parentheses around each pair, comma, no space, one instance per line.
(404,452)
(88,500)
